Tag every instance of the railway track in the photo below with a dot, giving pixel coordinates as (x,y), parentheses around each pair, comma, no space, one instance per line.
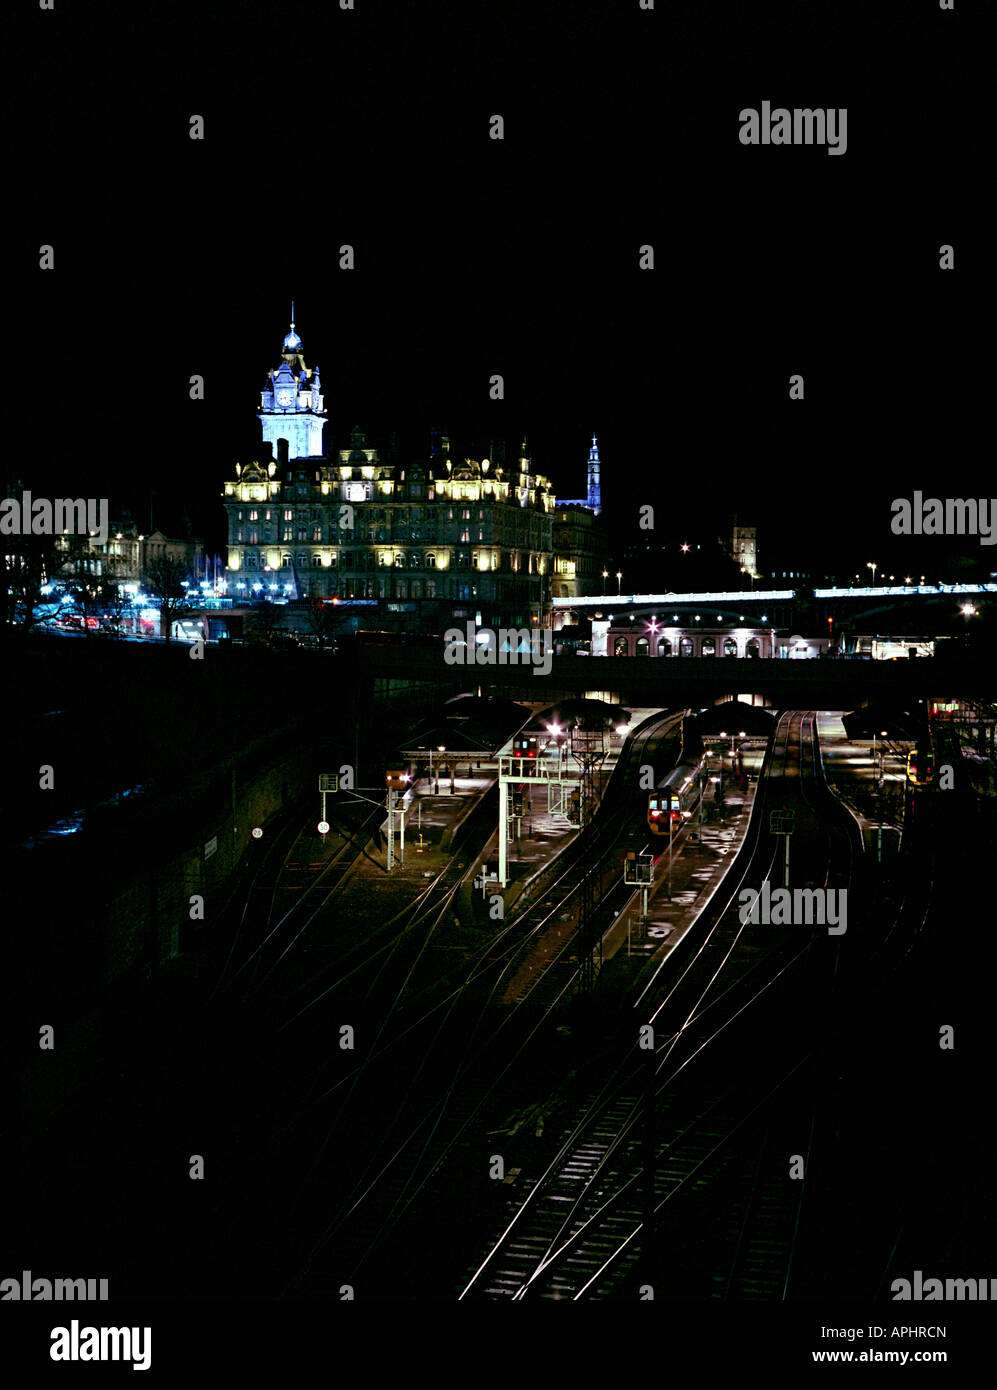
(494,1032)
(633,1165)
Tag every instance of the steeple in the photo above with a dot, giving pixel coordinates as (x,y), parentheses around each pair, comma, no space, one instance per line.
(292,343)
(291,403)
(594,499)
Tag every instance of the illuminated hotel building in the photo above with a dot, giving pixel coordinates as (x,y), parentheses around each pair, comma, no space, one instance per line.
(430,541)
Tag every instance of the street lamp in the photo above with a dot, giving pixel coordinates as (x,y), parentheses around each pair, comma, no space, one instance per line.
(871,565)
(619,582)
(704,777)
(879,796)
(605,576)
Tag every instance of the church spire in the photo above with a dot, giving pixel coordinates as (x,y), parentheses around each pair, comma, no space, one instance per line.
(594,498)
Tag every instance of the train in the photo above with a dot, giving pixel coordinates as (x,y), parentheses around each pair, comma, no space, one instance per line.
(921,767)
(526,745)
(675,800)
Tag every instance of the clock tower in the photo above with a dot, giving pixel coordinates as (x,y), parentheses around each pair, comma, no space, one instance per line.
(291,403)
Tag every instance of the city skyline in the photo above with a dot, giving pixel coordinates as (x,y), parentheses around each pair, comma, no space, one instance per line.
(483,823)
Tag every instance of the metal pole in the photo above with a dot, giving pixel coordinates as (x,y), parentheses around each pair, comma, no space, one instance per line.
(671,825)
(879,816)
(503,864)
(787,839)
(391,831)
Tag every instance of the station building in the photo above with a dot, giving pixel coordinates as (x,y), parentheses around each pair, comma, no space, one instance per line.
(643,636)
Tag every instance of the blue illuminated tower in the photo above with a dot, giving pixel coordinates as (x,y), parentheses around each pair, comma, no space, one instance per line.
(594,499)
(291,403)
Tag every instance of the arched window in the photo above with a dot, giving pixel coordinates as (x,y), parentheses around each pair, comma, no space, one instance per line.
(709,647)
(685,646)
(730,647)
(430,561)
(643,647)
(752,649)
(621,647)
(664,646)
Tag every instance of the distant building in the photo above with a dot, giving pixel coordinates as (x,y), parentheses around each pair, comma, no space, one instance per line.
(125,555)
(581,552)
(744,548)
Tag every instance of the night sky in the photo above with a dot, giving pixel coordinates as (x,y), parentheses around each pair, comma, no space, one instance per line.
(476,256)
(370,127)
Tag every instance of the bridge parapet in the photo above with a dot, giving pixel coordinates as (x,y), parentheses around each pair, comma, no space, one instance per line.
(832,684)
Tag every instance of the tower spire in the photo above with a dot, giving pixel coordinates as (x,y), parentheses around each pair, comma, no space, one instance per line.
(594,498)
